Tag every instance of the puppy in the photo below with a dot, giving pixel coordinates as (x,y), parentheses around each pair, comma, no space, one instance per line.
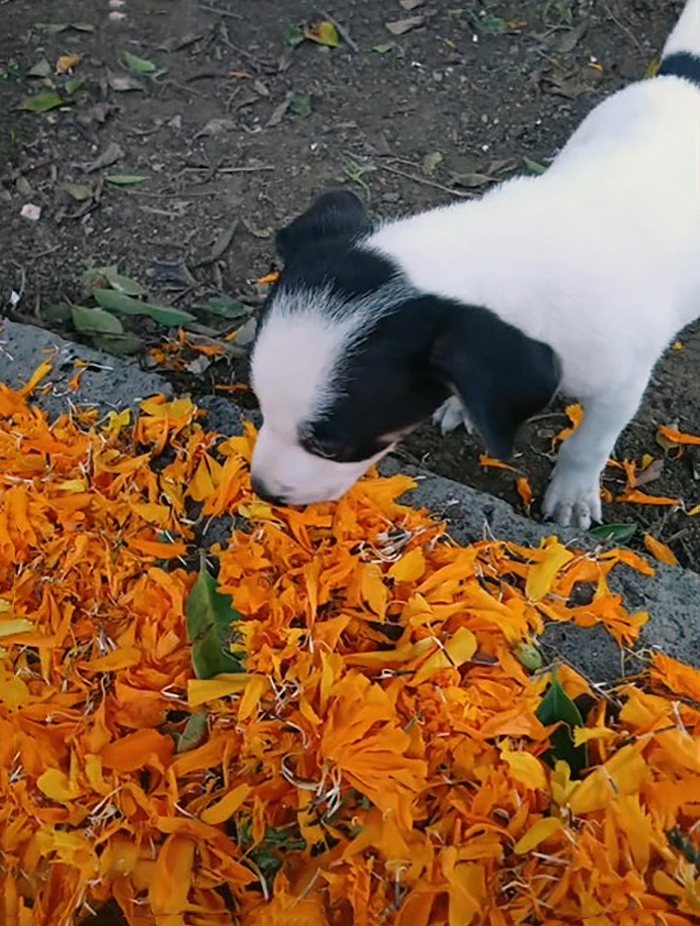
(478,312)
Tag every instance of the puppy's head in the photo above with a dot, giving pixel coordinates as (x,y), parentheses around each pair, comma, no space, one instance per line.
(350,357)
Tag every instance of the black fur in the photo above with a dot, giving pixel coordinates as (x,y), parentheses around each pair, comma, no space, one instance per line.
(502,376)
(414,357)
(317,248)
(412,360)
(681,64)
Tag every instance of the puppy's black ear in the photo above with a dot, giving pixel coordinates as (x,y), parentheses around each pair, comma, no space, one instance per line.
(502,376)
(337,214)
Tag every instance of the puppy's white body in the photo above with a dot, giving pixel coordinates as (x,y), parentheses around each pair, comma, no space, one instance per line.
(599,258)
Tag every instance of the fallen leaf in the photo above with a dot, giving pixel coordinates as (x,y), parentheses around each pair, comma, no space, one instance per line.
(108,276)
(402,26)
(123,84)
(43,103)
(95,320)
(138,65)
(119,302)
(216,127)
(67,63)
(112,153)
(210,618)
(430,162)
(41,69)
(409,5)
(324,33)
(492,25)
(615,533)
(125,179)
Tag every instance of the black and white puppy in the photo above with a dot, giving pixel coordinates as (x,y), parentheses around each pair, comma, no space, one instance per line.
(478,312)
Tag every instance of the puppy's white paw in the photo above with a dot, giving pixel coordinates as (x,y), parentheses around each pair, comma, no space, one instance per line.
(573,498)
(451,415)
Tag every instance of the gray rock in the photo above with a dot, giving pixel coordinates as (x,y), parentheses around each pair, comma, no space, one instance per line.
(109,383)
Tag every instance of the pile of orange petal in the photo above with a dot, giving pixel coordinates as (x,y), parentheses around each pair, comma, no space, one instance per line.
(379,762)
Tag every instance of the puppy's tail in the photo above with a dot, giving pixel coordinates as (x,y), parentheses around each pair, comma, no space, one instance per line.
(681,54)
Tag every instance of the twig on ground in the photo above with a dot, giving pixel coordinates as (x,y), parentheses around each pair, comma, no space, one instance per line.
(433,183)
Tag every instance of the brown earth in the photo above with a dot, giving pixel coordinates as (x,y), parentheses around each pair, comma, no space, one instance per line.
(238,126)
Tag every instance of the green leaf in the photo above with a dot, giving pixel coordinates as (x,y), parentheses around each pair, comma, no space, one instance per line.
(108,275)
(301,105)
(534,166)
(209,619)
(41,69)
(618,533)
(125,179)
(493,25)
(139,65)
(557,707)
(121,345)
(224,306)
(95,321)
(52,28)
(114,301)
(529,656)
(42,103)
(293,36)
(58,312)
(194,734)
(383,49)
(73,84)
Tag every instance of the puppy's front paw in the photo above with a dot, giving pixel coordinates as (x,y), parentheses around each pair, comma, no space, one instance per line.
(573,498)
(451,415)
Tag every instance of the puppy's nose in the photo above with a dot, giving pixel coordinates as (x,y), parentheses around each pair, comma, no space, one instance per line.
(262,491)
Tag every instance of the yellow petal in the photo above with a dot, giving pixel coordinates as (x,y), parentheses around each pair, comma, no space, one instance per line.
(409,568)
(538,832)
(55,784)
(15,625)
(254,690)
(227,806)
(542,575)
(458,650)
(585,734)
(525,768)
(200,690)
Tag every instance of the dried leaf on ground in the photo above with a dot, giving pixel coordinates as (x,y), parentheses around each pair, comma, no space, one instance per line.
(401,26)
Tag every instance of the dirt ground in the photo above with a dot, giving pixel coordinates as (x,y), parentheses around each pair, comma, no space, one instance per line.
(239,123)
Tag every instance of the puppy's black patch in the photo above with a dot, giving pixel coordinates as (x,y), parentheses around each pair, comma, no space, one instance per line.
(502,376)
(681,64)
(413,359)
(385,386)
(317,248)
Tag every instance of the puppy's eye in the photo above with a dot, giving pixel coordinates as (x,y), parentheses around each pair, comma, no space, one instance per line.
(328,449)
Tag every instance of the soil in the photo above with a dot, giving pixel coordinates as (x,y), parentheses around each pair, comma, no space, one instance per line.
(237,124)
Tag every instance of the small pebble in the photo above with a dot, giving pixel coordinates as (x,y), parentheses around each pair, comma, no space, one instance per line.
(31,212)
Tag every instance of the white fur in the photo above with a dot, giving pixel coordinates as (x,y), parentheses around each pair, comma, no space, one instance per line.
(295,357)
(599,257)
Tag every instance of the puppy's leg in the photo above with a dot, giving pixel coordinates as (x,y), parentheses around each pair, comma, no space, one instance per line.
(573,496)
(451,415)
